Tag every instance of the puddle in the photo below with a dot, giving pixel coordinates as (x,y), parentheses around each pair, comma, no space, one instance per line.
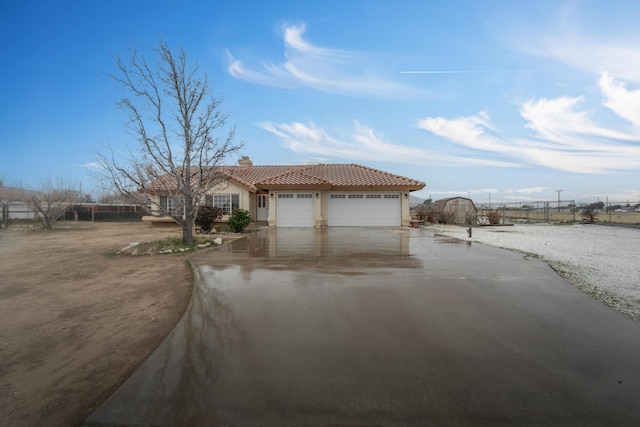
(452,240)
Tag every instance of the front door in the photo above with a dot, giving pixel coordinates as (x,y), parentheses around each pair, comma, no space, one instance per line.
(263,208)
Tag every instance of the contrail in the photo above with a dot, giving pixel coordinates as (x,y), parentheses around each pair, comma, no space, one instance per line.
(469,72)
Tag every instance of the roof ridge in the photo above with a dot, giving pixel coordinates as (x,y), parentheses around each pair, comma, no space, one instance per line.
(301,169)
(304,172)
(295,168)
(381,171)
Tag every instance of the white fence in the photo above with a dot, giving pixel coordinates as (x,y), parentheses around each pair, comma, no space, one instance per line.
(16,210)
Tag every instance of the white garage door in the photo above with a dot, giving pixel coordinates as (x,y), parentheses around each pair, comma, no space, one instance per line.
(294,210)
(365,209)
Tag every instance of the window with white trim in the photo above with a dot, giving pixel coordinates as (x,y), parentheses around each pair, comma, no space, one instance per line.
(226,202)
(391,196)
(304,196)
(338,196)
(170,204)
(356,196)
(374,196)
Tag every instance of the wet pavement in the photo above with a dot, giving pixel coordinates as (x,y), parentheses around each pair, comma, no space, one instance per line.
(389,327)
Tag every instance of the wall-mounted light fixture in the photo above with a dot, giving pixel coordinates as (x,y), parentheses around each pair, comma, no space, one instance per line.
(271,194)
(406,195)
(317,195)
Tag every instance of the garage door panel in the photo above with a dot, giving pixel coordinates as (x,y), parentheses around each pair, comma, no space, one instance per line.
(294,210)
(364,209)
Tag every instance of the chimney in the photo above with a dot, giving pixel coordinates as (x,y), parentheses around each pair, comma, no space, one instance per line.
(245,161)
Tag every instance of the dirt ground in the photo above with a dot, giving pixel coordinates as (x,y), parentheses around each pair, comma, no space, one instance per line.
(75,322)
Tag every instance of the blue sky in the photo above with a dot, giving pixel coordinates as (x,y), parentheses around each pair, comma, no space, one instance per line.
(501,99)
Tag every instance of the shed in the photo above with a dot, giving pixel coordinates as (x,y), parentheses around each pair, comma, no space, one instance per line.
(456,210)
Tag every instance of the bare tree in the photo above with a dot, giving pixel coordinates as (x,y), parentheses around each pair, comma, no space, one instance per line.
(53,199)
(175,119)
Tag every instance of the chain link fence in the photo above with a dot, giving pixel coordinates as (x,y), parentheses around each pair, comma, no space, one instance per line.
(558,211)
(21,212)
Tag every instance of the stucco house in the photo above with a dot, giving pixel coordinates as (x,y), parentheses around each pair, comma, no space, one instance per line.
(322,195)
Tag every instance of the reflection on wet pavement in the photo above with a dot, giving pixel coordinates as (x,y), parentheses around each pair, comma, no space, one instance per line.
(323,243)
(393,327)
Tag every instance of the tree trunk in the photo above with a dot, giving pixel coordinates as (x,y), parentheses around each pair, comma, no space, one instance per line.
(187,230)
(187,224)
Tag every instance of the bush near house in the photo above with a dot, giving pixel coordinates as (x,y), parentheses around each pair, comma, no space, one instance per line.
(239,220)
(207,216)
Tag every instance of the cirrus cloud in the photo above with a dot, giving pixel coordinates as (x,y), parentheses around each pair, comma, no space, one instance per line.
(365,144)
(563,136)
(324,69)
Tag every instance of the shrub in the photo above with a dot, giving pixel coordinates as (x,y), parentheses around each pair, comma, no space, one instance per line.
(207,216)
(239,220)
(493,216)
(589,214)
(446,217)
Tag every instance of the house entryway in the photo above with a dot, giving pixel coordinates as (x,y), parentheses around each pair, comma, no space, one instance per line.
(263,207)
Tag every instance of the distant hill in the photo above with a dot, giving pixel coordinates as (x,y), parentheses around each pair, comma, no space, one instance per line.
(415,201)
(14,193)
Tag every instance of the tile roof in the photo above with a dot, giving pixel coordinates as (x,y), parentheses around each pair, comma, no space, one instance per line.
(295,177)
(327,176)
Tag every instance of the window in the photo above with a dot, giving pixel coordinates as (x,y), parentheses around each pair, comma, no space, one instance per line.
(285,196)
(374,196)
(171,204)
(338,196)
(356,196)
(226,202)
(391,196)
(304,196)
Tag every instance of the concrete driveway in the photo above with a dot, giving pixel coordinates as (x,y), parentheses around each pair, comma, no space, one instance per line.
(390,327)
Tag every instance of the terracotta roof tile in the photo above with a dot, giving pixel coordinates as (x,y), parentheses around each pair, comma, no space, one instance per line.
(321,176)
(295,177)
(353,175)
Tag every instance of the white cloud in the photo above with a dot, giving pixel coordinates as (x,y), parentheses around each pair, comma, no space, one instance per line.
(623,102)
(518,198)
(89,165)
(486,190)
(621,57)
(471,132)
(558,121)
(329,70)
(575,42)
(364,144)
(564,137)
(528,190)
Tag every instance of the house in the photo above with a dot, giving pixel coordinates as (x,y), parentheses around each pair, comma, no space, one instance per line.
(322,195)
(456,210)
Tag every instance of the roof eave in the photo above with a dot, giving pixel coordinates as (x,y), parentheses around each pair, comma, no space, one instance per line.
(270,187)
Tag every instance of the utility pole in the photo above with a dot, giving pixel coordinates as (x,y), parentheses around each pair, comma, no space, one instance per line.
(558,191)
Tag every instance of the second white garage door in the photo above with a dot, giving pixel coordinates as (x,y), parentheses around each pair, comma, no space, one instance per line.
(294,210)
(365,210)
